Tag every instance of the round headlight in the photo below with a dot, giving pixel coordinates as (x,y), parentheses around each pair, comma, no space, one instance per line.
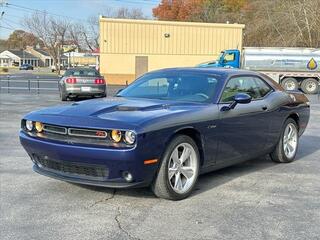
(130,137)
(39,126)
(29,125)
(116,135)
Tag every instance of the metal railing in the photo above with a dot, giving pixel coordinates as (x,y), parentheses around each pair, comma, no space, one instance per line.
(31,85)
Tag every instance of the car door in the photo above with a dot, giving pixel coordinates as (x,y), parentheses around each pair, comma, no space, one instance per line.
(242,132)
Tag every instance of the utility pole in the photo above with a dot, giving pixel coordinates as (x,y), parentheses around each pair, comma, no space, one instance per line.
(2,4)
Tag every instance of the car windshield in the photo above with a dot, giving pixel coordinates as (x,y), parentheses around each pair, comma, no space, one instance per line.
(173,86)
(82,73)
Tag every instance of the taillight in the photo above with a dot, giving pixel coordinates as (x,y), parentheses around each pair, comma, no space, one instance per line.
(99,81)
(71,80)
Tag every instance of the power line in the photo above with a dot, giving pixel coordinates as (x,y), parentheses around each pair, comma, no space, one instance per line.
(7,28)
(8,24)
(32,10)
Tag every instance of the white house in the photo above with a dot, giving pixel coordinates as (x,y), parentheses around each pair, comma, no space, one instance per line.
(11,58)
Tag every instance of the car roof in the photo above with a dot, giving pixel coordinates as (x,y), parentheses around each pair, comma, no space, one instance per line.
(82,68)
(224,73)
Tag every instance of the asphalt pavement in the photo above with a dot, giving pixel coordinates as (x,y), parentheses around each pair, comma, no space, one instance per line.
(257,199)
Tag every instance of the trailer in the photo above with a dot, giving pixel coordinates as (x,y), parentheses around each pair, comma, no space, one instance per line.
(293,68)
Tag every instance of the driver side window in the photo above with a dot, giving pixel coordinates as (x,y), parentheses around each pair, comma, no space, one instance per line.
(240,85)
(229,57)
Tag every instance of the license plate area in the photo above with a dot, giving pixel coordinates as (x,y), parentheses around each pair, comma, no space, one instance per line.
(85,89)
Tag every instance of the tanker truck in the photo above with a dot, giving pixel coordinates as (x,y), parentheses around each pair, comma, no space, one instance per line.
(293,68)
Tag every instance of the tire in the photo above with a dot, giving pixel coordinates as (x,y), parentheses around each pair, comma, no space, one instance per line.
(310,86)
(63,96)
(290,84)
(165,188)
(280,154)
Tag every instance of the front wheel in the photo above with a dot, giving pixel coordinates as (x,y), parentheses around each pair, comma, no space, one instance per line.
(179,169)
(286,148)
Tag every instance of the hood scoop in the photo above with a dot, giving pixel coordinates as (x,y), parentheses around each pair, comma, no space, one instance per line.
(127,108)
(136,108)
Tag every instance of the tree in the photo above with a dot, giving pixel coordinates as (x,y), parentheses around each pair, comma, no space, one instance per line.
(19,39)
(126,13)
(51,32)
(268,23)
(178,10)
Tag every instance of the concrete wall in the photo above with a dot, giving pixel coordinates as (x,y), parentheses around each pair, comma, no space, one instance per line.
(166,44)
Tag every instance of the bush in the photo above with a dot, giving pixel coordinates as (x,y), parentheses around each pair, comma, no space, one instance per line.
(4,69)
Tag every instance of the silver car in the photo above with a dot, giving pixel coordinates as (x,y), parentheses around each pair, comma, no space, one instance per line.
(81,82)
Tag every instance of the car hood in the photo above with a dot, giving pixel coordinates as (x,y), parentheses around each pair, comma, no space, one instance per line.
(121,113)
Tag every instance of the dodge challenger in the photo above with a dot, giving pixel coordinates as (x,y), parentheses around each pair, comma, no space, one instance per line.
(165,129)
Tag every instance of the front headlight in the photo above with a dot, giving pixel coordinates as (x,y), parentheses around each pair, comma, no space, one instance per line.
(116,135)
(29,125)
(39,127)
(130,137)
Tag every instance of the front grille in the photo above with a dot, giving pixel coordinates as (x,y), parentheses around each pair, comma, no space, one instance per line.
(54,129)
(87,133)
(72,136)
(70,168)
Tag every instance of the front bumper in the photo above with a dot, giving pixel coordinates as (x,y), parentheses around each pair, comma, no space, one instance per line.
(68,159)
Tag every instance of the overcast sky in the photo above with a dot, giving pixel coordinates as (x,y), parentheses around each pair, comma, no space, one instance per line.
(75,10)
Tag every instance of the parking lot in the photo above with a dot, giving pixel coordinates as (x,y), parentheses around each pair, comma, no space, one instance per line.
(258,199)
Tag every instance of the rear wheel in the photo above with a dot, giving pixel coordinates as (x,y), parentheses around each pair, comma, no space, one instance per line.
(63,96)
(286,149)
(290,84)
(179,169)
(310,86)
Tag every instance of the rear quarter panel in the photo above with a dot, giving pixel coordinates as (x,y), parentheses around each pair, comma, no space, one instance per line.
(285,104)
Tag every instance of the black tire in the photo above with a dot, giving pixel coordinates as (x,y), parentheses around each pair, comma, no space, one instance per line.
(161,185)
(63,97)
(290,84)
(310,86)
(278,155)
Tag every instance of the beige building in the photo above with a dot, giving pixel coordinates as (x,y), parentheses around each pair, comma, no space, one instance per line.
(129,48)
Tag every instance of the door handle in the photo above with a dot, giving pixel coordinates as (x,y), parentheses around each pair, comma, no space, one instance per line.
(264,108)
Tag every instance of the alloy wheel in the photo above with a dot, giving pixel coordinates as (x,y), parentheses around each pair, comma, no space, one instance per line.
(290,140)
(182,168)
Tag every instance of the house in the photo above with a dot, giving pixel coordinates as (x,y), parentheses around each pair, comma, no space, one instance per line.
(45,60)
(17,58)
(5,61)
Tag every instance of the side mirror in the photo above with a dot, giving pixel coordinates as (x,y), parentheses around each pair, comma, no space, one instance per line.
(119,91)
(239,98)
(242,98)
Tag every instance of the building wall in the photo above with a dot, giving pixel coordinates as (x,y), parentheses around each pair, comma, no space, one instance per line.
(166,44)
(82,60)
(44,61)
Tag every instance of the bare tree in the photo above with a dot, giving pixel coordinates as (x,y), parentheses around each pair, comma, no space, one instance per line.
(52,32)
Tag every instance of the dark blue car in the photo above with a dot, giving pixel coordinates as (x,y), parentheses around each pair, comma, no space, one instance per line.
(26,66)
(166,128)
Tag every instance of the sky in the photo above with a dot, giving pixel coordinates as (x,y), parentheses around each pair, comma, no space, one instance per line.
(75,10)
